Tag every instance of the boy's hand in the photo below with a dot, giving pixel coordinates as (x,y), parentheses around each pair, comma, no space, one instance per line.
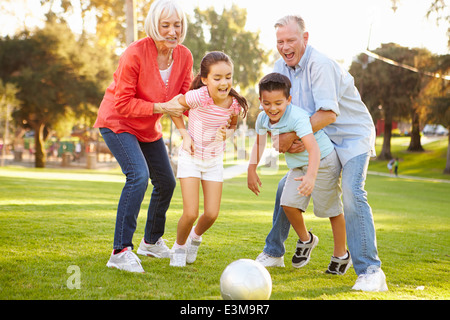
(306,187)
(253,181)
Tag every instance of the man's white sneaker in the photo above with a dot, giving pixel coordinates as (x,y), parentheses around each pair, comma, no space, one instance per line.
(157,250)
(372,280)
(125,260)
(269,261)
(192,249)
(178,257)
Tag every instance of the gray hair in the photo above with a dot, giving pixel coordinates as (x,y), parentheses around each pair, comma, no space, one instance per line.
(154,16)
(291,18)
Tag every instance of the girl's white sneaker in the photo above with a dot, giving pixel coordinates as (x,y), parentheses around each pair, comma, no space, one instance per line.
(178,257)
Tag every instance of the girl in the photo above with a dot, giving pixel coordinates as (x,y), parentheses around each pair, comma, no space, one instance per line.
(214,105)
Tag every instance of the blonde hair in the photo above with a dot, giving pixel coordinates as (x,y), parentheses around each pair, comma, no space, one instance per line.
(153,18)
(283,22)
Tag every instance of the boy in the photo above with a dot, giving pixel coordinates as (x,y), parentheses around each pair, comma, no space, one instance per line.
(319,163)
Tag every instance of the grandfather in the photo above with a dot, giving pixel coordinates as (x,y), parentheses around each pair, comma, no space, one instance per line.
(325,90)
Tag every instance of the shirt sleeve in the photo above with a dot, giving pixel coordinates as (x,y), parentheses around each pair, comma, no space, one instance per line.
(259,128)
(236,107)
(301,124)
(189,74)
(195,98)
(126,78)
(325,78)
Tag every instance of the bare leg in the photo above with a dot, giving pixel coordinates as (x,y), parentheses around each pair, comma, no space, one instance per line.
(212,193)
(295,217)
(190,192)
(339,235)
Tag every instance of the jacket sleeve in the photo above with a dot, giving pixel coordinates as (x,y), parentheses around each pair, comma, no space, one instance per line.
(126,78)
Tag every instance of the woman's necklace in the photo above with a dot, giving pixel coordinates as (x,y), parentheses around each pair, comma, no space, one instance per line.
(167,70)
(170,60)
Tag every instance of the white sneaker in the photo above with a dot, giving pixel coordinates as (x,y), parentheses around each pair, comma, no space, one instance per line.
(373,280)
(192,249)
(157,250)
(125,260)
(269,261)
(178,257)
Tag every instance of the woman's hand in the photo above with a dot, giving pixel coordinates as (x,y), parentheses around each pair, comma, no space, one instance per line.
(172,108)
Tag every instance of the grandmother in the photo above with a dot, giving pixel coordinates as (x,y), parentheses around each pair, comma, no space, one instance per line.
(151,74)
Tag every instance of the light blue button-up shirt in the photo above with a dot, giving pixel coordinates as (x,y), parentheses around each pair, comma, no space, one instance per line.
(320,83)
(294,119)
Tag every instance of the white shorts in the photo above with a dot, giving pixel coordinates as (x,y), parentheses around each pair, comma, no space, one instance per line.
(327,189)
(190,167)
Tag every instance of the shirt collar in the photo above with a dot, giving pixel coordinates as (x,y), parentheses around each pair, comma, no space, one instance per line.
(280,124)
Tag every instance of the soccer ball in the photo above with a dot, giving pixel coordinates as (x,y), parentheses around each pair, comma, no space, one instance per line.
(245,279)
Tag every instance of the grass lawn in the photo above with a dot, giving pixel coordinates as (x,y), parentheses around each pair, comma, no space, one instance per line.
(53,220)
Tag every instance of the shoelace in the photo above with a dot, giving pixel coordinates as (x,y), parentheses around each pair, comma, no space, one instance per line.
(132,258)
(162,243)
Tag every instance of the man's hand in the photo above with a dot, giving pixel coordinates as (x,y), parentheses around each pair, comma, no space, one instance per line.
(283,142)
(297,147)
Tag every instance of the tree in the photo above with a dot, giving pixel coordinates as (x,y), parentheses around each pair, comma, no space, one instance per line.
(389,91)
(436,97)
(211,31)
(56,76)
(8,101)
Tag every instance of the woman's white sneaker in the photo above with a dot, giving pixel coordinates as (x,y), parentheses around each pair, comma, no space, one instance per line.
(125,260)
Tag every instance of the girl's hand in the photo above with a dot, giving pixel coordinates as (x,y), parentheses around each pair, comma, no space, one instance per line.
(221,133)
(188,144)
(306,187)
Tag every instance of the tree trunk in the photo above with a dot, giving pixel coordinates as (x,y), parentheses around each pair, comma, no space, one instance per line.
(447,166)
(414,144)
(40,155)
(385,153)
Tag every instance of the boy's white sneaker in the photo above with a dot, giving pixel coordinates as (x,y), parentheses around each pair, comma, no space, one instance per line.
(157,250)
(373,279)
(178,257)
(125,260)
(269,261)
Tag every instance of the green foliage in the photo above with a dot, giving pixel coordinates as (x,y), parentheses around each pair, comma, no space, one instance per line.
(58,78)
(211,31)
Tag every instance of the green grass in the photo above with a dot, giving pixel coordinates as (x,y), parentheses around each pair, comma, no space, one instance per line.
(430,163)
(52,219)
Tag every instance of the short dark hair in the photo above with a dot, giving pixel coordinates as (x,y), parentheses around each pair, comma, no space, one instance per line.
(275,81)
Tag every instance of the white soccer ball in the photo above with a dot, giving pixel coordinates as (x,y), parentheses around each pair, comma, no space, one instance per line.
(245,279)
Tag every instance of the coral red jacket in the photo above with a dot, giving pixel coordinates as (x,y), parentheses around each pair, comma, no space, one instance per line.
(128,102)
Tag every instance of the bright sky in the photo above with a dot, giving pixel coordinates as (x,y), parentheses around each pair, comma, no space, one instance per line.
(340,28)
